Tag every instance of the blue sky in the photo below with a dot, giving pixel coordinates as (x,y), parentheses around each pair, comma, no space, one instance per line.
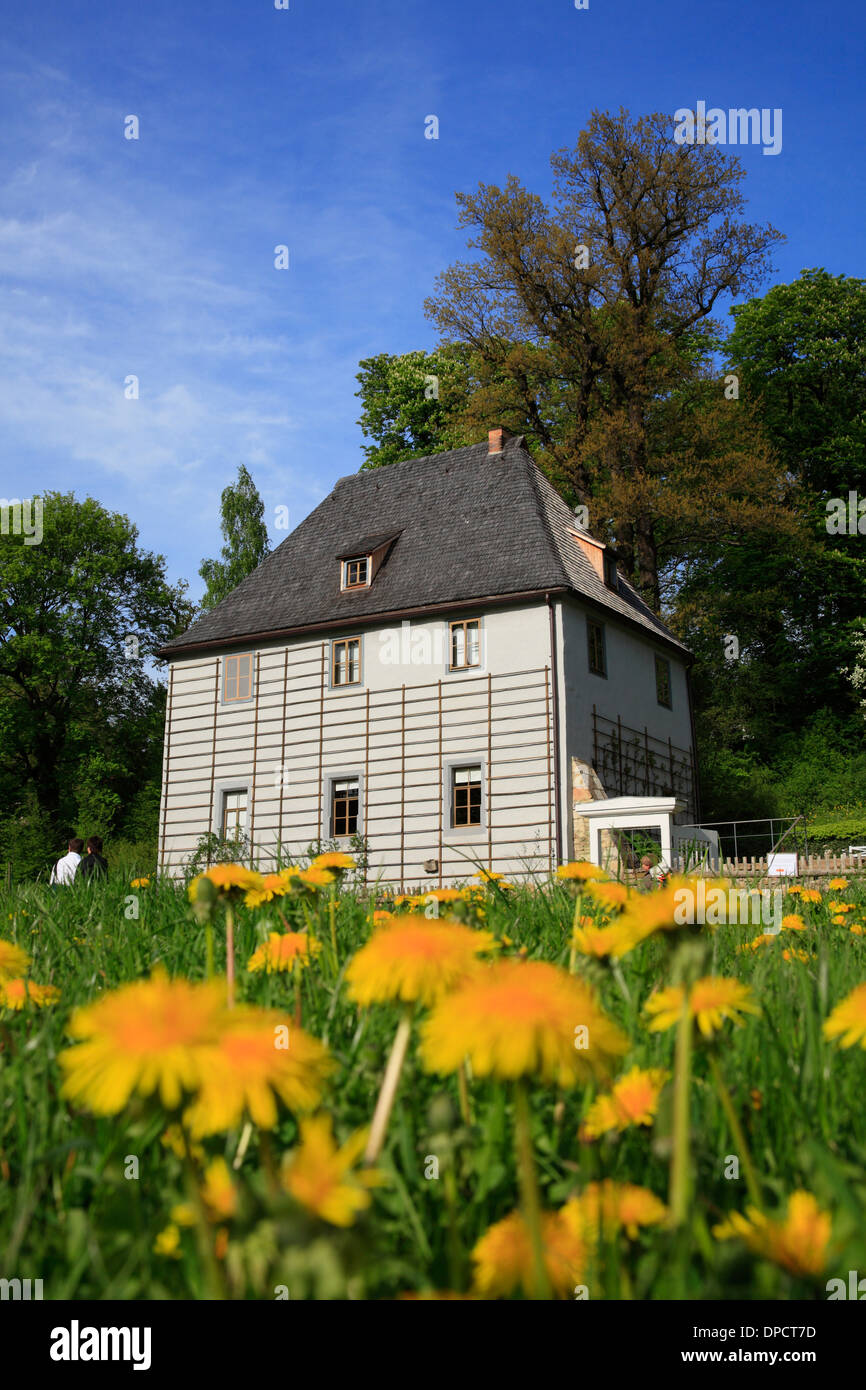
(305,127)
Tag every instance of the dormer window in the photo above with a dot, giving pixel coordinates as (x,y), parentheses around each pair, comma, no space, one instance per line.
(356,572)
(610,571)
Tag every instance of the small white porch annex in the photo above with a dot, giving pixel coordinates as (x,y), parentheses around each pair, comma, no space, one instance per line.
(654,813)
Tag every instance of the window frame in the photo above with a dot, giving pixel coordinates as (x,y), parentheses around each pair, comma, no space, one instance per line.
(344,642)
(465,623)
(458,764)
(345,584)
(662,663)
(601,628)
(222,789)
(227,699)
(328,821)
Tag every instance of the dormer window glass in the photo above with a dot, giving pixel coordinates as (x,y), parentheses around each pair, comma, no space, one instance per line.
(356,572)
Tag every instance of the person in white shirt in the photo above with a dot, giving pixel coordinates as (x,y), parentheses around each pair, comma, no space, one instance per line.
(64,869)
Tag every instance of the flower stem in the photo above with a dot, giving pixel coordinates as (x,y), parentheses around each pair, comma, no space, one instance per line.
(463,1092)
(738,1133)
(208,950)
(679,1173)
(528,1178)
(390,1082)
(230,956)
(213,1274)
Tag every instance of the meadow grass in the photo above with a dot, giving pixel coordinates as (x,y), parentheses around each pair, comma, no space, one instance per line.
(72,1213)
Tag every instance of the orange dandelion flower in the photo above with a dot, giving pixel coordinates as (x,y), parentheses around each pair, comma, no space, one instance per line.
(847,1022)
(593,940)
(798,1243)
(324,1178)
(837,885)
(414,960)
(14,994)
(259,1058)
(272,886)
(795,955)
(517,1018)
(793,922)
(143,1038)
(503,1259)
(284,951)
(810,895)
(856,928)
(795,890)
(614,1206)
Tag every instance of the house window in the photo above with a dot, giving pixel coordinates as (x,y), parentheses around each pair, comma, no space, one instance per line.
(663,681)
(465,644)
(465,796)
(346,662)
(237,678)
(234,817)
(597,654)
(610,571)
(355,572)
(345,799)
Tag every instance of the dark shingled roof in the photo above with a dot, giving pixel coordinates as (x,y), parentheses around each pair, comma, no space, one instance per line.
(468,525)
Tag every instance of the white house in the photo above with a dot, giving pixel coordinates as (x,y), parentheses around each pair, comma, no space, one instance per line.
(438,659)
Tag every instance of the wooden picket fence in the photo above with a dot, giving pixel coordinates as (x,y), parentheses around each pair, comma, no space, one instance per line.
(811,866)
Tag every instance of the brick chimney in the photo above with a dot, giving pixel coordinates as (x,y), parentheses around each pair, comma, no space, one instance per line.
(496,440)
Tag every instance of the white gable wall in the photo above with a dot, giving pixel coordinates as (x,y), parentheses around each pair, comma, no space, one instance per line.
(399,732)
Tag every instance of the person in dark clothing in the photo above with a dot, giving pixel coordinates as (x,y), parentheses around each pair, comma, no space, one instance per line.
(93,865)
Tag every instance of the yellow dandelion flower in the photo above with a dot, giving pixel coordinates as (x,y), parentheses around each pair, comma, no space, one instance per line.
(838,920)
(143,1038)
(167,1243)
(333,859)
(798,1243)
(793,922)
(316,877)
(13,961)
(518,1018)
(711,1001)
(14,994)
(837,885)
(632,1101)
(139,883)
(443,895)
(795,955)
(324,1178)
(414,960)
(380,917)
(610,895)
(841,907)
(259,1058)
(795,890)
(614,1206)
(284,951)
(856,928)
(503,1258)
(172,1138)
(229,880)
(847,1022)
(581,870)
(598,941)
(811,895)
(183,1214)
(219,1193)
(272,886)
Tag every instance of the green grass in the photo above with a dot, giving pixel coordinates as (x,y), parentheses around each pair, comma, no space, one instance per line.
(70,1216)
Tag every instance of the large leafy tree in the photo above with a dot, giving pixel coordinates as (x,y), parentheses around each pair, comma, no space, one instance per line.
(82,614)
(245,539)
(586,315)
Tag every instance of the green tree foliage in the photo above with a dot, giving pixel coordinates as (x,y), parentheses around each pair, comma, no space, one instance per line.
(245,537)
(588,315)
(411,403)
(81,617)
